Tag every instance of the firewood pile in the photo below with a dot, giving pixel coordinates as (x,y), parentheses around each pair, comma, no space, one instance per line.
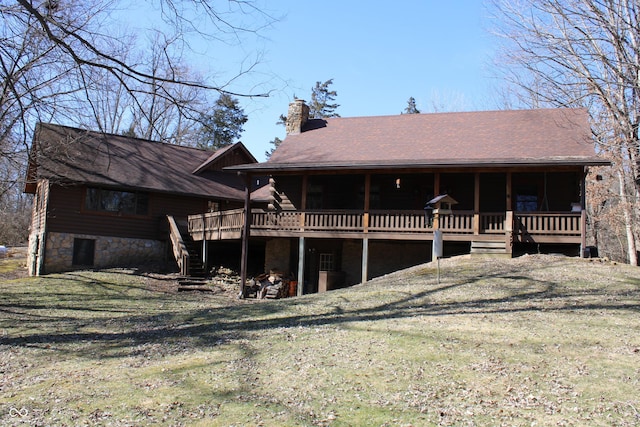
(272,286)
(221,279)
(225,277)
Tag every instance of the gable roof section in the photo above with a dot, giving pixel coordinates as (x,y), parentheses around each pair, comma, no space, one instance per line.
(73,156)
(484,138)
(226,156)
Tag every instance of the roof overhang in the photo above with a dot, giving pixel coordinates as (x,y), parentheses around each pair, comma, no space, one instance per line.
(270,168)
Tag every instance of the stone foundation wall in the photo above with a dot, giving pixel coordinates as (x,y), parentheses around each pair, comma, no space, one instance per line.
(109,251)
(277,255)
(35,252)
(387,257)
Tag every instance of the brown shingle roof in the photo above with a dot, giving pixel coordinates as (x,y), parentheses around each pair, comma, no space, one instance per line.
(545,136)
(74,156)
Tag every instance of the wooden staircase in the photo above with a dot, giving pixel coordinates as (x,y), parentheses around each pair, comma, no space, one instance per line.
(185,250)
(196,267)
(496,248)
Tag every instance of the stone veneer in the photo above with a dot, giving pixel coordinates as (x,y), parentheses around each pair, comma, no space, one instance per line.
(277,255)
(109,251)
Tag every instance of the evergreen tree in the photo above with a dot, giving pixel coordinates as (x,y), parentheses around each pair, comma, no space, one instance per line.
(411,107)
(276,142)
(321,105)
(223,126)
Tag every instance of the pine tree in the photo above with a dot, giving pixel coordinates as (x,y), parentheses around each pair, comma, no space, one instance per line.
(276,142)
(411,107)
(223,126)
(321,105)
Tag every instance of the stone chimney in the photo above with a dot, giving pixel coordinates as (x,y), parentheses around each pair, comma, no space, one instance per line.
(297,116)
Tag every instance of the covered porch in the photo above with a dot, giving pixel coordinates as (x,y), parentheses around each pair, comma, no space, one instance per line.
(496,210)
(533,204)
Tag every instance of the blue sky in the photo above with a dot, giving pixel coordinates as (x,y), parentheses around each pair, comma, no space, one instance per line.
(377,53)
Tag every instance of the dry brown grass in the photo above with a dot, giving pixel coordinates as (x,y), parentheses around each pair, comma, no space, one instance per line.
(537,340)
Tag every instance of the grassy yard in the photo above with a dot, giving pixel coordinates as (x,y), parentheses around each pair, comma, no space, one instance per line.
(537,340)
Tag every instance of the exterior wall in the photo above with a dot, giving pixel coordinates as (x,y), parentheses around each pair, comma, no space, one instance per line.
(59,216)
(66,214)
(555,190)
(277,255)
(288,193)
(400,191)
(109,251)
(352,261)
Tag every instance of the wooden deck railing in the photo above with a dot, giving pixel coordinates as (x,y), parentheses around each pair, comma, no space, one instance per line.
(492,223)
(228,224)
(541,223)
(398,221)
(220,225)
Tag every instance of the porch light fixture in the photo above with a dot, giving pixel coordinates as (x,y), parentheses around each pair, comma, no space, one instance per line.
(397,182)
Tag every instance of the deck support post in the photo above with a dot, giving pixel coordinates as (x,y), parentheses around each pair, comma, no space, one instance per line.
(508,232)
(508,220)
(583,213)
(508,190)
(303,203)
(205,255)
(245,235)
(365,259)
(301,252)
(476,205)
(367,203)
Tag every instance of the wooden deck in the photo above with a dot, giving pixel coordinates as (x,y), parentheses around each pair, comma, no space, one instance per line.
(538,227)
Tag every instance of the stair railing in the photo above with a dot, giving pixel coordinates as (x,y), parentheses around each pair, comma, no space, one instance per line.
(180,252)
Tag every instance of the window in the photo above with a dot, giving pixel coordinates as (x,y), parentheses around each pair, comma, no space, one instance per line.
(119,202)
(83,251)
(526,199)
(326,262)
(314,197)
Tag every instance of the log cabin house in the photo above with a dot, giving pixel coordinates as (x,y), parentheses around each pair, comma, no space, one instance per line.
(349,196)
(108,200)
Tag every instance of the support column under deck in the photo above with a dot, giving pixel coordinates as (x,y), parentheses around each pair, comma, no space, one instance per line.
(508,222)
(583,213)
(205,255)
(365,259)
(246,226)
(301,251)
(476,204)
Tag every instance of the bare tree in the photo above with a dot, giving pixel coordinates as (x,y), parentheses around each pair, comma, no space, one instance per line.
(583,53)
(68,61)
(52,54)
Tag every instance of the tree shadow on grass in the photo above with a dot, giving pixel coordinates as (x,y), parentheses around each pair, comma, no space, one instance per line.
(503,292)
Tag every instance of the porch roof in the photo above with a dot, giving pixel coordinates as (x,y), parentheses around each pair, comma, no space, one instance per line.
(518,138)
